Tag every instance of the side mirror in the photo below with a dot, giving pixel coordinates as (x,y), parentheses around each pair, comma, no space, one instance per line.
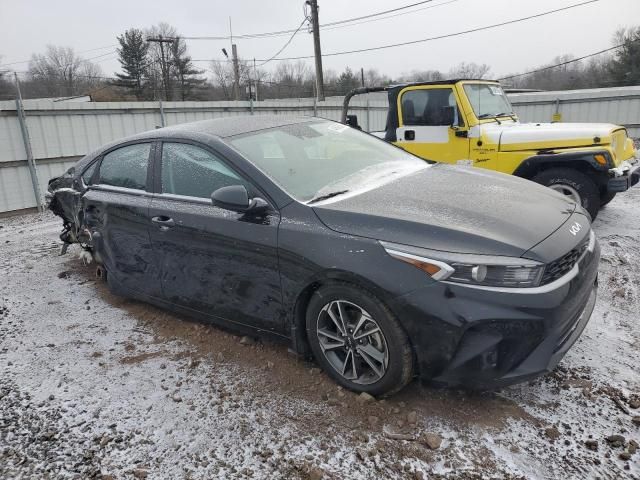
(352,121)
(448,116)
(236,199)
(233,197)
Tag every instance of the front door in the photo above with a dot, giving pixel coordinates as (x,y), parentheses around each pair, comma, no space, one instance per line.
(430,124)
(215,261)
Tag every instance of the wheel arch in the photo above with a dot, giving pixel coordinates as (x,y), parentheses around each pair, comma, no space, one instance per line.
(298,330)
(580,161)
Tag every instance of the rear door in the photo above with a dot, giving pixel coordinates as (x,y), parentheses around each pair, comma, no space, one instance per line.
(428,127)
(116,212)
(213,260)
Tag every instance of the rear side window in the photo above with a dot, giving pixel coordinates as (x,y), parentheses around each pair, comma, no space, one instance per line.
(126,167)
(192,171)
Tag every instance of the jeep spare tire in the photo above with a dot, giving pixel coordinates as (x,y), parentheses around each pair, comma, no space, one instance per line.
(574,184)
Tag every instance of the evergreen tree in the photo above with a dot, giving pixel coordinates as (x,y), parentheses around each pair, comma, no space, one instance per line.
(625,68)
(183,70)
(347,81)
(133,57)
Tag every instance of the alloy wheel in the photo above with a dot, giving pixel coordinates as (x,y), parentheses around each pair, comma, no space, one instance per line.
(352,342)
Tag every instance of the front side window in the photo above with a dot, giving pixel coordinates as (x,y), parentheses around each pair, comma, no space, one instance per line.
(311,160)
(488,100)
(126,167)
(194,172)
(429,107)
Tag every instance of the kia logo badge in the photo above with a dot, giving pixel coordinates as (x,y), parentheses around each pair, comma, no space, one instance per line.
(575,228)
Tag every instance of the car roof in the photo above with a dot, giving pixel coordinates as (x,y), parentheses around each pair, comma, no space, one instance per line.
(204,130)
(225,126)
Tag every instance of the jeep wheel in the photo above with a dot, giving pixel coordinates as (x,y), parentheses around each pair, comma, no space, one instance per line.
(575,185)
(606,198)
(357,340)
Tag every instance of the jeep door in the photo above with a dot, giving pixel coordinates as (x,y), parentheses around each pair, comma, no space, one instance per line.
(215,261)
(431,125)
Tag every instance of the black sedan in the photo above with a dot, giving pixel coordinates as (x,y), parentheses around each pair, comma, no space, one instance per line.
(380,265)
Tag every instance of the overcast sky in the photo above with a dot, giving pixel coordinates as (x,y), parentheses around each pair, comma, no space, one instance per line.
(27,26)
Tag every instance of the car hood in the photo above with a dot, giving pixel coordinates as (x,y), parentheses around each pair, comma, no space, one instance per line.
(453,209)
(515,136)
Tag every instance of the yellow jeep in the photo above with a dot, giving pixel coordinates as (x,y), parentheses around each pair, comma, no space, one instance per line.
(471,122)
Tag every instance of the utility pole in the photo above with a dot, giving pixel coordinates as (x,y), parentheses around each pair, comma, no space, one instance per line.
(236,68)
(315,23)
(27,146)
(255,74)
(236,72)
(163,63)
(362,76)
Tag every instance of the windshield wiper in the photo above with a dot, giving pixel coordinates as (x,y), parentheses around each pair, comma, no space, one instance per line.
(326,196)
(488,115)
(511,115)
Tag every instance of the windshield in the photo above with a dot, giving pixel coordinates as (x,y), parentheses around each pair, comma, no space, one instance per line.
(314,161)
(487,100)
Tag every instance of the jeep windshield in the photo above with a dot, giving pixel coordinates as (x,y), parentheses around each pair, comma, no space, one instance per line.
(488,100)
(316,161)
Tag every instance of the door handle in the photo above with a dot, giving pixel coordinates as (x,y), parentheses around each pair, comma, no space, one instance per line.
(409,134)
(164,222)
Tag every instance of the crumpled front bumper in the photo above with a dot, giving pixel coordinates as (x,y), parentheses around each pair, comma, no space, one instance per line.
(481,339)
(526,363)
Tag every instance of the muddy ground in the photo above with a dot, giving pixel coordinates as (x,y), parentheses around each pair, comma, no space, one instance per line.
(96,386)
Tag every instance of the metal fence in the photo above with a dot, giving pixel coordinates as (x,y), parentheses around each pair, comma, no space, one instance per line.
(620,106)
(60,133)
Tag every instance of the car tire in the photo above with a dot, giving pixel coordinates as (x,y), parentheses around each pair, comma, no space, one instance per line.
(574,184)
(606,198)
(380,363)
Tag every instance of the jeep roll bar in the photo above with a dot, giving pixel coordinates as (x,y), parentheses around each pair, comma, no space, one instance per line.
(353,93)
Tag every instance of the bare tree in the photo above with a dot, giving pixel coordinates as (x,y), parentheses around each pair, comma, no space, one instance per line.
(61,72)
(159,60)
(563,73)
(223,77)
(293,79)
(373,78)
(6,88)
(422,76)
(469,70)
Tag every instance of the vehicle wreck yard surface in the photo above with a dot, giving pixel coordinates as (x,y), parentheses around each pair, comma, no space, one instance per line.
(95,385)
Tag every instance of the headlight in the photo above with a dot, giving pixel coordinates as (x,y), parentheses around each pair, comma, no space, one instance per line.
(486,270)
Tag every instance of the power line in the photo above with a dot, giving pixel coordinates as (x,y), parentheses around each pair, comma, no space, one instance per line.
(389,16)
(439,37)
(550,67)
(286,44)
(330,24)
(339,22)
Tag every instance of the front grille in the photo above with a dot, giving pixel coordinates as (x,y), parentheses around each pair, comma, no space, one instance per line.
(563,265)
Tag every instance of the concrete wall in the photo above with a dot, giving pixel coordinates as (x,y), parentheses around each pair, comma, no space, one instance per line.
(61,132)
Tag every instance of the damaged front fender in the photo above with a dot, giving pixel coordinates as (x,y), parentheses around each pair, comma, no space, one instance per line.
(64,199)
